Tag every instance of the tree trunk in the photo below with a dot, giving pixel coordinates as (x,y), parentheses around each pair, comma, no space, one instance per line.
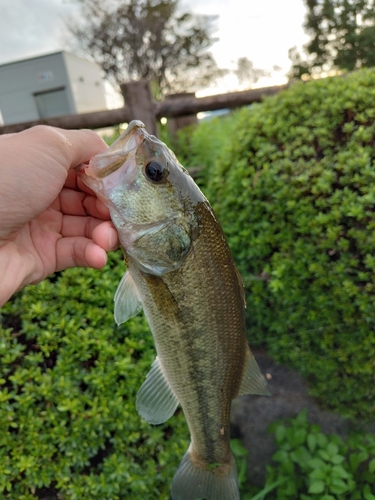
(179,122)
(138,100)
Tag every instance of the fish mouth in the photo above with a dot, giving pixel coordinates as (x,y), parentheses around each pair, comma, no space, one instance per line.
(106,163)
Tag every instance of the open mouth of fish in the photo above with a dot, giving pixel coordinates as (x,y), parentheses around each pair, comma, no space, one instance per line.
(105,164)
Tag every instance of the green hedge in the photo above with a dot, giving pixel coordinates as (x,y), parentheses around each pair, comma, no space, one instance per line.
(198,146)
(68,380)
(294,189)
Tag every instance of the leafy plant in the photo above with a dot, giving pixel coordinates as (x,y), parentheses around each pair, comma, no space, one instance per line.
(68,380)
(246,490)
(240,453)
(294,189)
(313,465)
(197,147)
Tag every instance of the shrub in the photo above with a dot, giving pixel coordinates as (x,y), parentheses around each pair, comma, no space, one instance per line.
(69,376)
(68,380)
(198,146)
(294,190)
(311,465)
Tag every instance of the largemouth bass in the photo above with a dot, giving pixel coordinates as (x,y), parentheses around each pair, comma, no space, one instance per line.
(181,272)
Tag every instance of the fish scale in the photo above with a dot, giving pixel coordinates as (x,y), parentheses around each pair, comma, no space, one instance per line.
(201,342)
(181,272)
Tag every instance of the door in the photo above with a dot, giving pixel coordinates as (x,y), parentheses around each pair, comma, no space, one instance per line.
(52,103)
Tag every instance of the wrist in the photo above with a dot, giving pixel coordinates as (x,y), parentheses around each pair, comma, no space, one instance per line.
(13,271)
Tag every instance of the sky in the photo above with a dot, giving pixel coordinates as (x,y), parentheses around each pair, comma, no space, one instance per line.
(261,30)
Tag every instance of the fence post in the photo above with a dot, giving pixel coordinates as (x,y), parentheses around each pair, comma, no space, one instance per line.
(138,100)
(178,122)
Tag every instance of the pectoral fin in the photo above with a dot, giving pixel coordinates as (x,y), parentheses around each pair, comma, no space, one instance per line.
(156,402)
(127,303)
(253,381)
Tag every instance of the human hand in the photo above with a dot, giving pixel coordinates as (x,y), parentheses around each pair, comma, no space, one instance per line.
(49,220)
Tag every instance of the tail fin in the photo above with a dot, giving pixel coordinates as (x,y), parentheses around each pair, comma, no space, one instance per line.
(215,482)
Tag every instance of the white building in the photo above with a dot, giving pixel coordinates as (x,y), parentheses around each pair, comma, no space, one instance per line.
(50,85)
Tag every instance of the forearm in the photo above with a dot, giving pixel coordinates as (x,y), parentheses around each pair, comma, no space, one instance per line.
(13,272)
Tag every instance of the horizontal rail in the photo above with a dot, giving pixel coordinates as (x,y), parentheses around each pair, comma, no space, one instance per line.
(192,105)
(169,108)
(97,119)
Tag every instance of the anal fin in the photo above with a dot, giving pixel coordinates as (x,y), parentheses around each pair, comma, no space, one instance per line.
(253,381)
(156,401)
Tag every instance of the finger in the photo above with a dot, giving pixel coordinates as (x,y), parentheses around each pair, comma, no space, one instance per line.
(73,225)
(102,233)
(82,186)
(92,204)
(80,146)
(96,208)
(72,202)
(74,182)
(106,236)
(79,252)
(69,148)
(71,180)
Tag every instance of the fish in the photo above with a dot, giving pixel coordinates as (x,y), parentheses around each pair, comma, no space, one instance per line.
(180,271)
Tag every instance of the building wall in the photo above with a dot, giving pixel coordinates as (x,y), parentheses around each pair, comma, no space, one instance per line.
(86,83)
(51,85)
(21,81)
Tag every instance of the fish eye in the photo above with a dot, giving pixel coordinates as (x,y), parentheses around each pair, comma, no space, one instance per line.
(154,171)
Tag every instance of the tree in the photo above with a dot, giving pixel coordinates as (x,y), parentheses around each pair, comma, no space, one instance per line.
(149,39)
(247,74)
(342,37)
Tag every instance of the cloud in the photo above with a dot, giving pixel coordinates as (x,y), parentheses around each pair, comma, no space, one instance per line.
(30,28)
(261,31)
